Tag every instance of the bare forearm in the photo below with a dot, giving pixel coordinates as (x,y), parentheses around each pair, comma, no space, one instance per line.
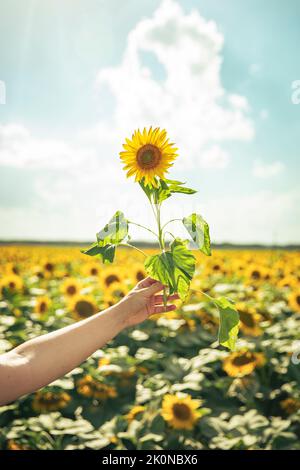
(40,361)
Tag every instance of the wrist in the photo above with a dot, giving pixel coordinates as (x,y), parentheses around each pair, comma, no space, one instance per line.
(122,313)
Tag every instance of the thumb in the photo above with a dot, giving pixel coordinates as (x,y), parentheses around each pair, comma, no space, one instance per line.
(154,288)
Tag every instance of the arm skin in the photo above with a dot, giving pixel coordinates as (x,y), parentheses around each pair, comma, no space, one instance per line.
(42,360)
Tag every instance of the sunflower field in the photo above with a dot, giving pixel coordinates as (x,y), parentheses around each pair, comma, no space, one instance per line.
(165,384)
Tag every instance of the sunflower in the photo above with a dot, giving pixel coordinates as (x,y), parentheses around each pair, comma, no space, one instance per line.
(111,275)
(91,269)
(254,273)
(243,362)
(290,405)
(91,388)
(148,155)
(249,320)
(12,283)
(42,305)
(134,412)
(45,401)
(294,301)
(15,445)
(139,272)
(114,293)
(180,412)
(48,267)
(82,306)
(70,287)
(287,282)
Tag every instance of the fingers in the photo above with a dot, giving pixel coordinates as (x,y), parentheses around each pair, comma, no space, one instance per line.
(163,309)
(154,288)
(160,298)
(147,282)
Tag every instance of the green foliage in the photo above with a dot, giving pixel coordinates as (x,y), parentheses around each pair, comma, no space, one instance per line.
(109,238)
(174,268)
(229,322)
(199,231)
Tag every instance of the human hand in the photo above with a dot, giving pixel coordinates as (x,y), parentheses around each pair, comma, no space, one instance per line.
(143,300)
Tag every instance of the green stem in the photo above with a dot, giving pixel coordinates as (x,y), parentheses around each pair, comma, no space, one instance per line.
(172,220)
(203,293)
(156,210)
(132,246)
(142,226)
(170,234)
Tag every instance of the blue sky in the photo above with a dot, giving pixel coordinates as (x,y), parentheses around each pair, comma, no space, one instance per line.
(81,75)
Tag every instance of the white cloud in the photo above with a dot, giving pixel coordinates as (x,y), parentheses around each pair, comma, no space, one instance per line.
(267,170)
(190,101)
(19,148)
(214,157)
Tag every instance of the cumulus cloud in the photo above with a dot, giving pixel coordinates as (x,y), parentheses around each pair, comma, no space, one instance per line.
(20,148)
(267,170)
(190,100)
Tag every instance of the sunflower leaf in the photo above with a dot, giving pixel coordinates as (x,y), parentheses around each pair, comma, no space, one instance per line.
(109,238)
(178,187)
(168,187)
(174,268)
(115,231)
(105,252)
(229,322)
(199,232)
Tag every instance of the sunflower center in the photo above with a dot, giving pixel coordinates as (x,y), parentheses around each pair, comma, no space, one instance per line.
(181,411)
(84,308)
(43,307)
(298,299)
(242,360)
(255,274)
(111,278)
(247,319)
(49,267)
(71,290)
(148,156)
(139,275)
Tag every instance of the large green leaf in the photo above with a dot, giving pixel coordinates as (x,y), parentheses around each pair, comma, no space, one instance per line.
(229,322)
(174,268)
(109,238)
(199,231)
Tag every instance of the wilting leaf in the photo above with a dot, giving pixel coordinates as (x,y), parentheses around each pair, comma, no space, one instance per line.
(174,268)
(229,322)
(109,238)
(199,231)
